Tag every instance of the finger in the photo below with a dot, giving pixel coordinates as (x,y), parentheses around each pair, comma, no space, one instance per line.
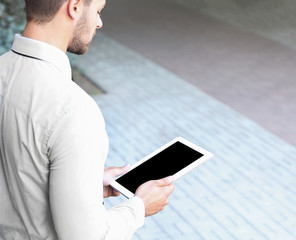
(167,190)
(121,170)
(170,189)
(165,181)
(112,172)
(115,193)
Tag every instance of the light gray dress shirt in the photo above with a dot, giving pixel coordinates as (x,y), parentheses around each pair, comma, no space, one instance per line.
(53,147)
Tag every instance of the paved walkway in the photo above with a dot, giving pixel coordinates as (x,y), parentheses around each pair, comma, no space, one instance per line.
(252,74)
(247,191)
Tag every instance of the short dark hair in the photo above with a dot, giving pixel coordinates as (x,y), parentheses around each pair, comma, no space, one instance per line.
(42,11)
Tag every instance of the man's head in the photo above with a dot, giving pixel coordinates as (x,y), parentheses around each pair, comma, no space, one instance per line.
(86,26)
(43,11)
(83,17)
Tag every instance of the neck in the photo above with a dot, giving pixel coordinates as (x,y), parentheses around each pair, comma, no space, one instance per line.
(55,32)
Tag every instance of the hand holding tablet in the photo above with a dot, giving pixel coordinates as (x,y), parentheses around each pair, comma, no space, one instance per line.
(175,159)
(155,194)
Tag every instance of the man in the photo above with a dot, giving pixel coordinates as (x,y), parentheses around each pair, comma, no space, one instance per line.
(53,142)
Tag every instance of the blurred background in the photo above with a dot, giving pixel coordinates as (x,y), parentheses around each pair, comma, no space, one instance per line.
(219,73)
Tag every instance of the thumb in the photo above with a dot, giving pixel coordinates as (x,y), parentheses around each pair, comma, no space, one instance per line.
(165,181)
(121,170)
(112,172)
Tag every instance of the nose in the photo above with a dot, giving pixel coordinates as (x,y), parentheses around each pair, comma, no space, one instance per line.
(99,23)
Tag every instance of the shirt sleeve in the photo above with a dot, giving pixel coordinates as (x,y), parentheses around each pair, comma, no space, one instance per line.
(77,152)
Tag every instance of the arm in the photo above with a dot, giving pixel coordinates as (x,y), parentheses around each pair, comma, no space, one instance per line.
(77,155)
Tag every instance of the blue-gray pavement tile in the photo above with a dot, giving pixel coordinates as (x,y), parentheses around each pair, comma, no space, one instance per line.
(153,230)
(246,191)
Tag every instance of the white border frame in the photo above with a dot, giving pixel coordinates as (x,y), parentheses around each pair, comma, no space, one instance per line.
(206,155)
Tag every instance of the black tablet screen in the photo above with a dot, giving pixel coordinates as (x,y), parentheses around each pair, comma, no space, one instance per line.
(164,164)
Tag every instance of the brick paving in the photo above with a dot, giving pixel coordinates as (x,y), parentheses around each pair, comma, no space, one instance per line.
(247,191)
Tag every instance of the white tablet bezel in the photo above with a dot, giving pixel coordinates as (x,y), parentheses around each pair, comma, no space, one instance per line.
(206,155)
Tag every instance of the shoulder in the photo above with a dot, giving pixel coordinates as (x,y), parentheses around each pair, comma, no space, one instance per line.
(67,98)
(70,110)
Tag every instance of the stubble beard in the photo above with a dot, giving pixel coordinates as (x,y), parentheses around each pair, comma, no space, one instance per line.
(78,44)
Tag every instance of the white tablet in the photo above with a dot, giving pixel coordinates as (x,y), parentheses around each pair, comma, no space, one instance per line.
(175,158)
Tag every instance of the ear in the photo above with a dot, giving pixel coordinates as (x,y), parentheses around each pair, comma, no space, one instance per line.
(75,8)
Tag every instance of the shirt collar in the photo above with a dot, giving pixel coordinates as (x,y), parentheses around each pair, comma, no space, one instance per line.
(43,51)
